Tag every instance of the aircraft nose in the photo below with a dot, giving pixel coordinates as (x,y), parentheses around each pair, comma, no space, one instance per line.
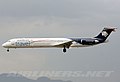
(5,45)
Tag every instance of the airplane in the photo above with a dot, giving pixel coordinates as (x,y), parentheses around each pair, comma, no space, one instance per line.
(64,43)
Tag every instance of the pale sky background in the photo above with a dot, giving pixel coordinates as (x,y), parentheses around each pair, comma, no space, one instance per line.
(61,18)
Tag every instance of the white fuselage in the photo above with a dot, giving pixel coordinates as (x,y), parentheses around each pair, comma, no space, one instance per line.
(39,43)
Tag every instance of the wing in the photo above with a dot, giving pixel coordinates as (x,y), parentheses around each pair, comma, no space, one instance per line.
(66,44)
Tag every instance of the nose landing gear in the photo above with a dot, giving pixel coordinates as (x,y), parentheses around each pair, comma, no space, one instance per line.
(8,50)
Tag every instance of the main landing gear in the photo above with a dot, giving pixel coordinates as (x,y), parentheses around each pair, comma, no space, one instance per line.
(64,49)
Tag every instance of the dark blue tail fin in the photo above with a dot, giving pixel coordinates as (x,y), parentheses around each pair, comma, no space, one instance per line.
(105,33)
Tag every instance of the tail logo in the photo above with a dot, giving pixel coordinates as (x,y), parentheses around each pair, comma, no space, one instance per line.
(104,33)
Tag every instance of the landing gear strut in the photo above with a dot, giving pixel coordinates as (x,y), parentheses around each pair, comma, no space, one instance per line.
(8,50)
(64,49)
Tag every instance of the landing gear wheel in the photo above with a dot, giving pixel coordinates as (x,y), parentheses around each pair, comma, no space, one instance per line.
(64,50)
(8,50)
